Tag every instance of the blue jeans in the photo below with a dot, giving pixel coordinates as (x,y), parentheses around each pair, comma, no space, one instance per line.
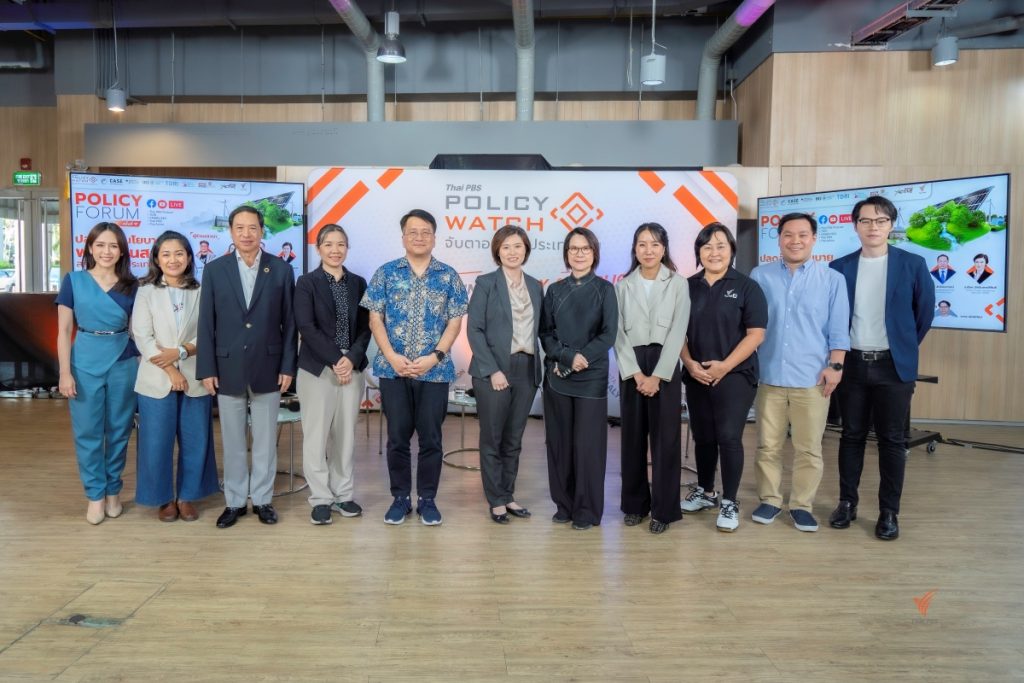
(161,420)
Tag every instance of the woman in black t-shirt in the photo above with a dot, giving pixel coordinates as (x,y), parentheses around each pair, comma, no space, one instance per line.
(728,317)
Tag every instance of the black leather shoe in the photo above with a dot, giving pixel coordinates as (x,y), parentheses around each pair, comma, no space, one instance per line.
(561,518)
(887,528)
(522,513)
(500,519)
(582,526)
(267,513)
(843,515)
(229,517)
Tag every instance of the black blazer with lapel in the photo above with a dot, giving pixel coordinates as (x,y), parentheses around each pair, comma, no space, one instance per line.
(315,318)
(489,324)
(246,346)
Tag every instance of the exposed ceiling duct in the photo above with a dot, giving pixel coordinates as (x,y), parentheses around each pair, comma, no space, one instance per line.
(724,38)
(899,20)
(370,41)
(522,19)
(35,64)
(988,28)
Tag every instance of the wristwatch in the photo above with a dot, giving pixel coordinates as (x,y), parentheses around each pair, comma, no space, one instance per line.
(838,367)
(182,352)
(440,355)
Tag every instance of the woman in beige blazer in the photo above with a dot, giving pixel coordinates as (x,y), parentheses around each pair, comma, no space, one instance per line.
(654,308)
(172,402)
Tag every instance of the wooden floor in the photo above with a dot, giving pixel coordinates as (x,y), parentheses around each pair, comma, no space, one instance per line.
(531,601)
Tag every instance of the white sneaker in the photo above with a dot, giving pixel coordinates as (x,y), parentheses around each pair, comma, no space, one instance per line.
(728,516)
(698,500)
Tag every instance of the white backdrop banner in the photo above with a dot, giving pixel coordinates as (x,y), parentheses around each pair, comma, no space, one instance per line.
(470,205)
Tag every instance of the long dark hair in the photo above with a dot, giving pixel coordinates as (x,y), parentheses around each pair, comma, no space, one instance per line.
(126,281)
(155,275)
(659,233)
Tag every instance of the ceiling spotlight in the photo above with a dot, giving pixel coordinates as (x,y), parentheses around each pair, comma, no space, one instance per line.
(117,100)
(391,50)
(946,51)
(652,69)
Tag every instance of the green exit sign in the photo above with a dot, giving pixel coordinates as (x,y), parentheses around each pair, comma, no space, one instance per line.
(28,178)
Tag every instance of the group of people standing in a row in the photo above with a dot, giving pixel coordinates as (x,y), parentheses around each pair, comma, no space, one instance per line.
(856,326)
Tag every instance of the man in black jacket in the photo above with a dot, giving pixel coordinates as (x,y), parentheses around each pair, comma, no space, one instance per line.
(246,357)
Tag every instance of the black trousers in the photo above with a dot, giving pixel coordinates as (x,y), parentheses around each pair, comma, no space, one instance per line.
(653,422)
(871,391)
(503,416)
(414,406)
(577,444)
(718,416)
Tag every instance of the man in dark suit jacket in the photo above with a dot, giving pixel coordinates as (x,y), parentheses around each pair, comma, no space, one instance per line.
(246,357)
(942,272)
(892,302)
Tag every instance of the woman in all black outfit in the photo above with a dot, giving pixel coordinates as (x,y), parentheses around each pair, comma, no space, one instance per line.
(578,327)
(728,317)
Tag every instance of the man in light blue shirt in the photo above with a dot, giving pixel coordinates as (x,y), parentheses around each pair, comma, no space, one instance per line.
(801,365)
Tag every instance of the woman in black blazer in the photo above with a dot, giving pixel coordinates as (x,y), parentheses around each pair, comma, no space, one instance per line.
(504,315)
(577,329)
(334,332)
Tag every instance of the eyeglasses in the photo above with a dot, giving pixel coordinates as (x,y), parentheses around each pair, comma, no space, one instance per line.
(418,234)
(580,250)
(881,221)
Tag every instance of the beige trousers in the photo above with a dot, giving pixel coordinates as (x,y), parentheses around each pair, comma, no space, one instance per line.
(329,413)
(779,408)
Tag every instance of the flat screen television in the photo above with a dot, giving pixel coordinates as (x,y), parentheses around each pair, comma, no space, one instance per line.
(958,225)
(146,206)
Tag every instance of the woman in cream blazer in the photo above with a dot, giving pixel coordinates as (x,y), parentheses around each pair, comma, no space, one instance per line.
(654,308)
(173,404)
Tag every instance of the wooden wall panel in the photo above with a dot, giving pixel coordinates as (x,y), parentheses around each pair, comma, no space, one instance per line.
(754,109)
(29,132)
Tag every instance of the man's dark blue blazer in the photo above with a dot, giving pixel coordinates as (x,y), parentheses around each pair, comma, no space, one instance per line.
(246,346)
(909,304)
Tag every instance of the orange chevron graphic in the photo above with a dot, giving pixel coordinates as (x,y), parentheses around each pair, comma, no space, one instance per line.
(322,182)
(389,176)
(653,180)
(989,309)
(344,205)
(727,192)
(923,602)
(694,206)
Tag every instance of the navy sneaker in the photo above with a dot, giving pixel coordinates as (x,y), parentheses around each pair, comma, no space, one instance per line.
(428,512)
(804,520)
(321,514)
(765,513)
(398,510)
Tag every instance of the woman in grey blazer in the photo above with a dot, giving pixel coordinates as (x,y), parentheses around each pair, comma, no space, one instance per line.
(654,309)
(504,315)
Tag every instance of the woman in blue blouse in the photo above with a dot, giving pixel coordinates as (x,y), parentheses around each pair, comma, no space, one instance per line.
(97,371)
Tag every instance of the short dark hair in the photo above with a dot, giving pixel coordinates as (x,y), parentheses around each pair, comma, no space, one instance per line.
(798,216)
(659,233)
(422,215)
(155,275)
(705,235)
(590,237)
(944,302)
(880,203)
(327,230)
(204,242)
(244,209)
(287,244)
(502,234)
(978,256)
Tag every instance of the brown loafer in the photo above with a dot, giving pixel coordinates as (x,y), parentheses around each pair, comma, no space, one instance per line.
(187,511)
(168,512)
